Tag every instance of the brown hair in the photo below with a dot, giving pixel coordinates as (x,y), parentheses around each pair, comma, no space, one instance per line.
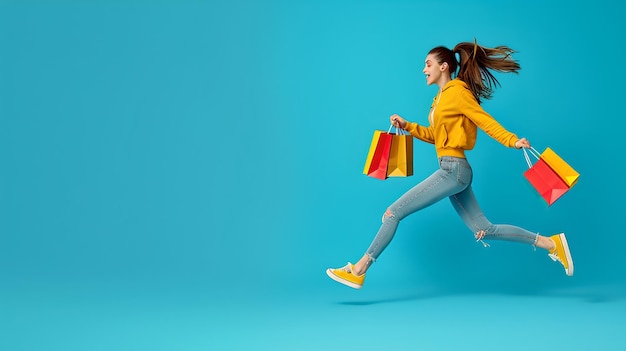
(476,63)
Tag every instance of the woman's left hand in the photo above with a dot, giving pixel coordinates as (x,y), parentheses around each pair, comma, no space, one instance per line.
(522,143)
(397,121)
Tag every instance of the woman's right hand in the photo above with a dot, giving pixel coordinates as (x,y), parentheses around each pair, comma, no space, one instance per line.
(397,121)
(522,143)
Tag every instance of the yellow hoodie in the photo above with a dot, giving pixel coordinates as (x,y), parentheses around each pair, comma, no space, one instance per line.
(453,125)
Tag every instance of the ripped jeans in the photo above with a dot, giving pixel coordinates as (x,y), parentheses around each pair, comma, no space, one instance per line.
(453,179)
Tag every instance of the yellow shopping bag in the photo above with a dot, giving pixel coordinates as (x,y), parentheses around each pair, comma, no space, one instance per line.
(560,167)
(401,156)
(370,154)
(378,155)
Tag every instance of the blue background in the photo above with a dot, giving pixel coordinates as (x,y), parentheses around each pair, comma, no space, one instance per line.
(178,176)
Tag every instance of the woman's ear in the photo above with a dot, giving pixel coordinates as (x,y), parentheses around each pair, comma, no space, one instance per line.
(444,66)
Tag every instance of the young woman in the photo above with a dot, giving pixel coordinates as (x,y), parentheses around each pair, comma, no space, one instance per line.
(454,117)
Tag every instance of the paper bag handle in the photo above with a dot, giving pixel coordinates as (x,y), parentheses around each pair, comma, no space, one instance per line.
(399,131)
(533,152)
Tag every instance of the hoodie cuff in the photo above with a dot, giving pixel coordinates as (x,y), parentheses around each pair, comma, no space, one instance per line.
(513,140)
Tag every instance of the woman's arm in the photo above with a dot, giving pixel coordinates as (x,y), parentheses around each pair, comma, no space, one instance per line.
(472,110)
(416,130)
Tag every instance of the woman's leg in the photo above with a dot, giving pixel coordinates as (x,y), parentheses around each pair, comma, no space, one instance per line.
(449,179)
(466,205)
(468,209)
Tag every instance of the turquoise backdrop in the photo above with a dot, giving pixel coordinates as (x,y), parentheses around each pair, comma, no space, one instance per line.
(154,153)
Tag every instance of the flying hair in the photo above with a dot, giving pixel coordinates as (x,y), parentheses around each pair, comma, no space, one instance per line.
(476,64)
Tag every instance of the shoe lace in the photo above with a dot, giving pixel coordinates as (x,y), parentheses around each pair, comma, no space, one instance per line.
(479,235)
(347,268)
(555,257)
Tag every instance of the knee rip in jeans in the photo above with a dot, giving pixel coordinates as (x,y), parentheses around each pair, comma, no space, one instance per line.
(388,214)
(479,235)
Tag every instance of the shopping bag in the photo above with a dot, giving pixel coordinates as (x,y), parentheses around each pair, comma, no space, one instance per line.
(544,179)
(558,165)
(378,155)
(372,150)
(401,155)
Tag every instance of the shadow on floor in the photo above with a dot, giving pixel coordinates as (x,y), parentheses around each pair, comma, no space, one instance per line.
(604,293)
(400,298)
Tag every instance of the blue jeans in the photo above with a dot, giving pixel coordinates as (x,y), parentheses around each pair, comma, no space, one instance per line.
(453,179)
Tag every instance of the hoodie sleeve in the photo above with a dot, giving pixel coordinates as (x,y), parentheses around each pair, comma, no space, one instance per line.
(422,133)
(470,108)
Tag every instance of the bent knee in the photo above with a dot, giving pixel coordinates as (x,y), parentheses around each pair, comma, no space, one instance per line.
(387,214)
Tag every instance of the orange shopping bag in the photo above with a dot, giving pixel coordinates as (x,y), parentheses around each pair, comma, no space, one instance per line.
(401,155)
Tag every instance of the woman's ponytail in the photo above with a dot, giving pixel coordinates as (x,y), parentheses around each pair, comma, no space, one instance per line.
(476,62)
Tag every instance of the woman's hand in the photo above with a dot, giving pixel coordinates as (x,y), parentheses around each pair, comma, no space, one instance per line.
(522,143)
(397,121)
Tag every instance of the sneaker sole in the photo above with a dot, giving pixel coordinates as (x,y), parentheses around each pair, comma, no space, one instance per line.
(570,263)
(338,279)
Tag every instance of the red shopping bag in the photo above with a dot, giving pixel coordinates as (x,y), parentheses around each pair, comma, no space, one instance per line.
(560,167)
(544,179)
(378,155)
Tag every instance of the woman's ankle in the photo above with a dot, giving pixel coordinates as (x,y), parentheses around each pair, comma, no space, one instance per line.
(362,265)
(545,243)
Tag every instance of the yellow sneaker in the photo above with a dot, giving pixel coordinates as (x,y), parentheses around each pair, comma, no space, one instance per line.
(345,276)
(561,253)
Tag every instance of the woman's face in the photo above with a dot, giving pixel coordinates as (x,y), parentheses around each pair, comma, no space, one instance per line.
(432,69)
